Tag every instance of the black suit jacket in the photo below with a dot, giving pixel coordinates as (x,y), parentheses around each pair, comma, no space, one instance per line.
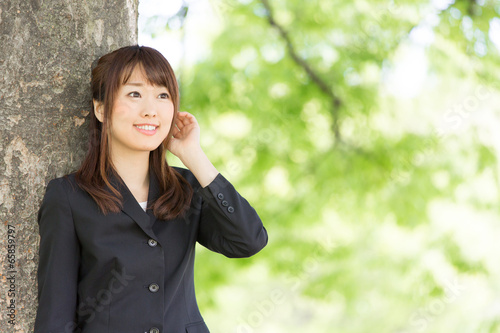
(127,271)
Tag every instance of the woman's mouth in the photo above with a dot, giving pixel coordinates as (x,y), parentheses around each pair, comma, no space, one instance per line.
(146,129)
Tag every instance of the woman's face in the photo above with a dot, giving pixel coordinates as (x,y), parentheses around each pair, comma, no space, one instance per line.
(140,118)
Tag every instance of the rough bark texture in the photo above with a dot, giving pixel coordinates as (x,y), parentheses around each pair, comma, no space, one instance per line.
(46,51)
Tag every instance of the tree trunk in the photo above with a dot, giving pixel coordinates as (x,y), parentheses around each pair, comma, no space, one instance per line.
(47,48)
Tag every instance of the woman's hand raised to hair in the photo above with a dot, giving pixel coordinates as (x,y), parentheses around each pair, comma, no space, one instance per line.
(185,144)
(186,136)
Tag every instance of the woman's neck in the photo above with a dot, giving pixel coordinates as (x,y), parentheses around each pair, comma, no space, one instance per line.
(134,170)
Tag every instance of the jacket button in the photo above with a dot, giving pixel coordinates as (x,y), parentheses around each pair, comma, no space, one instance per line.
(230,209)
(153,287)
(225,203)
(152,242)
(154,330)
(220,196)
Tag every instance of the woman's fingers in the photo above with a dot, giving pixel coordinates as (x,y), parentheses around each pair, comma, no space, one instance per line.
(186,118)
(177,133)
(179,124)
(184,124)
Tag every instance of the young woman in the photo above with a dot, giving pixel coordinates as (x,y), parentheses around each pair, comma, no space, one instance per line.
(117,238)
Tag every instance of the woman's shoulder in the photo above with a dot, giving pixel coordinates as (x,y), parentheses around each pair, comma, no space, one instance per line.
(66,179)
(66,183)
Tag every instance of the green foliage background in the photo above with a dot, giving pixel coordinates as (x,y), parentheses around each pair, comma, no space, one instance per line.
(382,210)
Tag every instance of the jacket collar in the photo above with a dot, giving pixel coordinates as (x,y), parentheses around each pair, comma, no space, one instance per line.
(131,207)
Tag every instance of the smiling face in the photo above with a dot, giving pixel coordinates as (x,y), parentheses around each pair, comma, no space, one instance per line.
(140,118)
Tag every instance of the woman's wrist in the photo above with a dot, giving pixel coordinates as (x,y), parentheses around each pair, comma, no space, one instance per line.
(199,164)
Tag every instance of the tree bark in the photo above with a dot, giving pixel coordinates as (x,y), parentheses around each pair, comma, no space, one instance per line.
(47,48)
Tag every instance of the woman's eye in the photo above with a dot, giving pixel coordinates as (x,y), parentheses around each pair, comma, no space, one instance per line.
(134,94)
(164,96)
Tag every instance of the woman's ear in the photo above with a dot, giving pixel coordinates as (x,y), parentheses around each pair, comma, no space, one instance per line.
(98,110)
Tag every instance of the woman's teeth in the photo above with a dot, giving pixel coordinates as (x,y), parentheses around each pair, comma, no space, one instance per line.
(147,127)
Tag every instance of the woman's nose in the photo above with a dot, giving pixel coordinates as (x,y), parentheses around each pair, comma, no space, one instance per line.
(149,108)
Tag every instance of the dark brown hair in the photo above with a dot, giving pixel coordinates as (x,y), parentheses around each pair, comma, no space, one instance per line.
(113,70)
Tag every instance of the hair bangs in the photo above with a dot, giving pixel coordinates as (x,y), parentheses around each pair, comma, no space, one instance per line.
(153,66)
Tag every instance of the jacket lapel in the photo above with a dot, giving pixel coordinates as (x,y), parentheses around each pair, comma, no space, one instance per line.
(132,208)
(153,194)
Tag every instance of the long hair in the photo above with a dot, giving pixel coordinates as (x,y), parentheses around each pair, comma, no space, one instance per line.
(111,72)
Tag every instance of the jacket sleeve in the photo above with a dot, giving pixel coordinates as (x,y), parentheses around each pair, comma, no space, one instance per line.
(228,224)
(59,254)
